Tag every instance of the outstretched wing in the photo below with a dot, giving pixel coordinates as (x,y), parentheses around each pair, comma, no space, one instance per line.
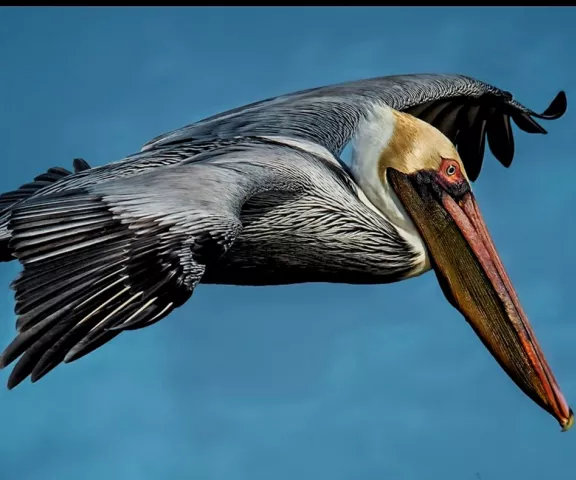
(123,254)
(465,109)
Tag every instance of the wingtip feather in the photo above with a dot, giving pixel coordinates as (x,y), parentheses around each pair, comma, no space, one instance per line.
(556,109)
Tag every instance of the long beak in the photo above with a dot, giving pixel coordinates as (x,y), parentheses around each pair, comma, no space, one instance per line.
(473,279)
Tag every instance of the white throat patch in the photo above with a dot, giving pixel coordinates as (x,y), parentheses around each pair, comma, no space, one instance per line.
(371,138)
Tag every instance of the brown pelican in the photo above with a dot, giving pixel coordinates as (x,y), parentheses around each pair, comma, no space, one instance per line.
(258,195)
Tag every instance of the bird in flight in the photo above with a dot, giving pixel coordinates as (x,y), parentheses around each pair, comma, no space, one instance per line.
(258,195)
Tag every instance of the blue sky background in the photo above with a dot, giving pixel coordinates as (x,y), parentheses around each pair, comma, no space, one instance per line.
(307,381)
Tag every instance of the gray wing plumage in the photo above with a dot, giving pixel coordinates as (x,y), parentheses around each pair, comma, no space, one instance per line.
(466,110)
(51,176)
(123,253)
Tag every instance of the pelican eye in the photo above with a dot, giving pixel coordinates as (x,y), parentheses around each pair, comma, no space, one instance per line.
(451,170)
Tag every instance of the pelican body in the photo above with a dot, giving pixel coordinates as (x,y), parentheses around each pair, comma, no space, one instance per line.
(259,195)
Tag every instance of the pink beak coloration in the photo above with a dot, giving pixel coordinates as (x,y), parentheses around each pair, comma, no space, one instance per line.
(473,279)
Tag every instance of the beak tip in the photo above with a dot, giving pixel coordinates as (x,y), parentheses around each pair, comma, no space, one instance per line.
(567,423)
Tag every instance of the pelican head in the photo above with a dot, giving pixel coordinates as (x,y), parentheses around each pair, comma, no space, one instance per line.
(413,174)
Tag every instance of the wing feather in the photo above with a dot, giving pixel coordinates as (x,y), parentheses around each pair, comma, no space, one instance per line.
(329,115)
(122,254)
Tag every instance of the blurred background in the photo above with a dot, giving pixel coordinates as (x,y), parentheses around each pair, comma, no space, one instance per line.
(306,381)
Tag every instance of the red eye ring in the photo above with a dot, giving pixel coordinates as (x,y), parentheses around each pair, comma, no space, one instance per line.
(451,169)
